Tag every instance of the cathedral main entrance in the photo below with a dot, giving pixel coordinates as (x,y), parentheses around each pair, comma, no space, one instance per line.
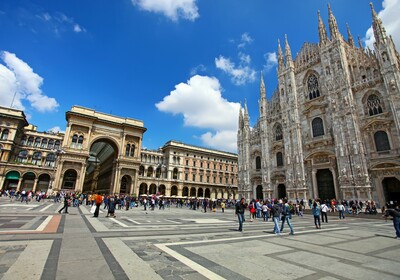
(281,191)
(391,189)
(259,192)
(326,185)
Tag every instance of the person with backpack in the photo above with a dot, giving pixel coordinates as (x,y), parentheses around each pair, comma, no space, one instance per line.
(276,215)
(240,207)
(316,210)
(286,216)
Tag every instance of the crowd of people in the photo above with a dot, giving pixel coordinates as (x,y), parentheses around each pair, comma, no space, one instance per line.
(280,211)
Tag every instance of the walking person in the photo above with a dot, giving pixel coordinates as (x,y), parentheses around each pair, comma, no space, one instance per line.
(265,210)
(239,211)
(98,201)
(66,201)
(286,216)
(111,207)
(223,207)
(324,214)
(395,213)
(341,210)
(276,215)
(316,210)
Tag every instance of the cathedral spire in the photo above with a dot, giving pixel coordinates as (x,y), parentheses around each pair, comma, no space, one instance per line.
(333,28)
(288,52)
(360,43)
(262,87)
(377,26)
(323,37)
(349,36)
(281,63)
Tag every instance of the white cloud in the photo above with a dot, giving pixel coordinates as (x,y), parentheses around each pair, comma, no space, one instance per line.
(201,103)
(60,22)
(19,82)
(172,9)
(245,40)
(55,129)
(271,60)
(391,21)
(198,69)
(240,74)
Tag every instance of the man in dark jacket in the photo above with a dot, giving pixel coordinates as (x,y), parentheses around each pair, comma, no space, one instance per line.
(395,213)
(239,211)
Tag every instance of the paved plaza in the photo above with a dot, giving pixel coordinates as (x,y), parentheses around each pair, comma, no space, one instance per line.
(38,243)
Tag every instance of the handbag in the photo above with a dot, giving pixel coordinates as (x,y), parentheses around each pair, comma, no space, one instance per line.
(93,208)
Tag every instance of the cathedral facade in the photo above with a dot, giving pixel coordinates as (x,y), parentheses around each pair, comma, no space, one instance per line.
(332,127)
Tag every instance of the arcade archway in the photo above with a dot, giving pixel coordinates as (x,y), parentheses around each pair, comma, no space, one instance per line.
(391,189)
(101,167)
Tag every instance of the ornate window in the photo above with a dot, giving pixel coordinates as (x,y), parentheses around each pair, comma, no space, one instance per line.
(4,134)
(175,174)
(313,87)
(279,159)
(23,140)
(51,144)
(373,106)
(381,141)
(44,143)
(22,156)
(74,141)
(278,133)
(57,145)
(30,141)
(37,142)
(80,142)
(317,127)
(141,170)
(127,150)
(258,163)
(150,172)
(37,158)
(50,160)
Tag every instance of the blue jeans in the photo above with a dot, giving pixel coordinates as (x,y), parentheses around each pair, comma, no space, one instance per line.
(258,213)
(287,219)
(266,214)
(241,220)
(317,221)
(276,225)
(341,214)
(396,224)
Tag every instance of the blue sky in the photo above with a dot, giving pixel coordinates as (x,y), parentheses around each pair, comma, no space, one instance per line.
(181,66)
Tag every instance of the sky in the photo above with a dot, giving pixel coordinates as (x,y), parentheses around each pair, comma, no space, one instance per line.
(183,67)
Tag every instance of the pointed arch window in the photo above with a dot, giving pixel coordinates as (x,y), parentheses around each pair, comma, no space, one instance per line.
(317,127)
(381,141)
(313,87)
(258,163)
(74,141)
(373,106)
(279,159)
(80,142)
(278,133)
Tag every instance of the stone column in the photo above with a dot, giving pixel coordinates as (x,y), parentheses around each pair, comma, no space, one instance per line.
(34,185)
(314,182)
(2,179)
(335,182)
(19,184)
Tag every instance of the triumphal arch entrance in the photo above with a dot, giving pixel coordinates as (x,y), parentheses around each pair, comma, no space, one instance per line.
(100,153)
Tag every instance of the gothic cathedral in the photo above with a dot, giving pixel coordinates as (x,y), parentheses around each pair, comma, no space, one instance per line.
(332,127)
